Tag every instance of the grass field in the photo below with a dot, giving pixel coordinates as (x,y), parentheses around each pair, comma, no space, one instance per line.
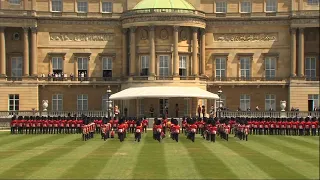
(67,156)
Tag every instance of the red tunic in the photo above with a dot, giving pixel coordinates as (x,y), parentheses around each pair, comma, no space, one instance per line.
(138,129)
(176,129)
(308,125)
(301,125)
(193,128)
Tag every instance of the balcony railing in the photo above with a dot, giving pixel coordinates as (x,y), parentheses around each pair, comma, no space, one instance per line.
(140,78)
(164,77)
(274,114)
(164,10)
(60,79)
(248,79)
(252,14)
(305,13)
(187,78)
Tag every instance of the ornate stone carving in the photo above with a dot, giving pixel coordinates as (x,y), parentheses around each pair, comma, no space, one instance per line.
(151,28)
(25,29)
(164,18)
(195,29)
(293,30)
(246,37)
(183,35)
(80,37)
(164,34)
(175,28)
(34,30)
(124,30)
(133,29)
(305,21)
(81,22)
(143,34)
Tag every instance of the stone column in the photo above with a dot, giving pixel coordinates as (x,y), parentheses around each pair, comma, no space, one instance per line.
(124,52)
(293,51)
(203,52)
(34,53)
(195,63)
(25,52)
(152,63)
(132,51)
(175,51)
(25,4)
(301,52)
(2,53)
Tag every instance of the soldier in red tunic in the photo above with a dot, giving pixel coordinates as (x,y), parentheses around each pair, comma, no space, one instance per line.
(164,124)
(13,125)
(104,131)
(176,130)
(158,130)
(184,124)
(301,127)
(145,123)
(138,131)
(307,126)
(314,127)
(213,131)
(121,129)
(192,130)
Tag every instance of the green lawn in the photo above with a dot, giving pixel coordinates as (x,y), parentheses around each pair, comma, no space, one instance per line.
(67,156)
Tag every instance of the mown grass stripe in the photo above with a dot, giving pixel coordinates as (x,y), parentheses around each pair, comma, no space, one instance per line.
(66,161)
(312,142)
(178,162)
(52,151)
(291,167)
(299,143)
(151,164)
(239,165)
(205,160)
(30,151)
(23,141)
(97,159)
(9,139)
(292,149)
(126,158)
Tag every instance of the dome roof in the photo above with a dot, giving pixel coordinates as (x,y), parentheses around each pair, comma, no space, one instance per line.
(166,4)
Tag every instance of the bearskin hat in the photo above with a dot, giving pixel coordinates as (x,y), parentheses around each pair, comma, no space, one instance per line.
(121,121)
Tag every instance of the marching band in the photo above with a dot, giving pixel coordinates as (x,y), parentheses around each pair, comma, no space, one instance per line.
(208,128)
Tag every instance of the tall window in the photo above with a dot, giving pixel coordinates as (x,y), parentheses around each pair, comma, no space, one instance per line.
(270,67)
(57,102)
(271,5)
(107,66)
(163,103)
(56,5)
(82,67)
(16,2)
(246,7)
(164,66)
(82,6)
(57,65)
(16,67)
(244,102)
(313,101)
(310,67)
(186,106)
(144,65)
(221,7)
(107,7)
(13,102)
(183,65)
(313,2)
(245,67)
(141,107)
(270,102)
(82,102)
(220,68)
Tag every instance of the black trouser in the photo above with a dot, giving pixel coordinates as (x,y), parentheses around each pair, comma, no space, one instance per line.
(250,130)
(131,130)
(213,137)
(145,129)
(158,136)
(300,132)
(121,136)
(255,131)
(260,131)
(137,137)
(164,129)
(307,132)
(12,130)
(84,137)
(192,136)
(175,136)
(288,131)
(104,136)
(313,131)
(266,131)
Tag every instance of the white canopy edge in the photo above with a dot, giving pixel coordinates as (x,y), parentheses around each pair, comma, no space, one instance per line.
(163,92)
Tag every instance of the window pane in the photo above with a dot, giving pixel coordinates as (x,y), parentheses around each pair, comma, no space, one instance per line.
(56,5)
(107,7)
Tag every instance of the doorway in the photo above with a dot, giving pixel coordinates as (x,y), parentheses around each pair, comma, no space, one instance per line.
(163,106)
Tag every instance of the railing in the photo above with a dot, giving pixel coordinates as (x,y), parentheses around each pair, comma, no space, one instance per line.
(13,12)
(59,79)
(305,13)
(252,14)
(164,10)
(78,15)
(140,78)
(187,78)
(164,77)
(248,79)
(275,114)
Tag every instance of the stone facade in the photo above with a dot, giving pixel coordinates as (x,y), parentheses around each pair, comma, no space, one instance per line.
(32,32)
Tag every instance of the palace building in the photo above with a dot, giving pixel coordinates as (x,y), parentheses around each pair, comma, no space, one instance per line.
(259,52)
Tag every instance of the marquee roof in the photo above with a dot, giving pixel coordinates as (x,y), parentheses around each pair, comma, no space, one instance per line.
(163,92)
(166,4)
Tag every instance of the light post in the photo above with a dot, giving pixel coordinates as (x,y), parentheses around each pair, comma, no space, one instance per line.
(219,94)
(108,100)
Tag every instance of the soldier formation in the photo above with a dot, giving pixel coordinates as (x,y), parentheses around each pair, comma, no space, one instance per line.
(208,128)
